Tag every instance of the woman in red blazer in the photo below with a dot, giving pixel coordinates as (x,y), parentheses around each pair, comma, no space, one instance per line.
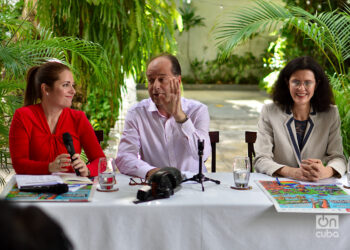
(36,143)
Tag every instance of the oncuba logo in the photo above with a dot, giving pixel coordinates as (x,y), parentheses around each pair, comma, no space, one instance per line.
(327,226)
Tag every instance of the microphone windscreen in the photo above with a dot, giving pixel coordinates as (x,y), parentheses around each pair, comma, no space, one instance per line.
(68,142)
(67,138)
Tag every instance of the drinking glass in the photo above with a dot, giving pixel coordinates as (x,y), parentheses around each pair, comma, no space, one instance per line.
(241,171)
(106,175)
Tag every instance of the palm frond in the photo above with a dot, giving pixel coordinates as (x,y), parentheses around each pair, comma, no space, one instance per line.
(329,30)
(248,22)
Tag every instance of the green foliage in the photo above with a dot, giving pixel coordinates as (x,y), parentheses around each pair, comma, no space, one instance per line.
(130,32)
(99,109)
(24,46)
(329,31)
(189,17)
(342,100)
(246,69)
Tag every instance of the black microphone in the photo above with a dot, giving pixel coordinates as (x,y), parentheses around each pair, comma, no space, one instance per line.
(68,142)
(54,189)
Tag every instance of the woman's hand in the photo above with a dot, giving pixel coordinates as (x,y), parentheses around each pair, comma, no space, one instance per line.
(60,164)
(80,165)
(314,170)
(290,172)
(310,170)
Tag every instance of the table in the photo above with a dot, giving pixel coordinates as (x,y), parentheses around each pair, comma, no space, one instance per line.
(219,218)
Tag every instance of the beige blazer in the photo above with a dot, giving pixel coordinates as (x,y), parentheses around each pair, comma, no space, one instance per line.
(277,145)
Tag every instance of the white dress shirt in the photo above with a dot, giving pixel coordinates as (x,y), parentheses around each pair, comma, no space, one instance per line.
(152,140)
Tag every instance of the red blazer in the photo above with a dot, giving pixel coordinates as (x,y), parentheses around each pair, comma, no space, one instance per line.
(33,147)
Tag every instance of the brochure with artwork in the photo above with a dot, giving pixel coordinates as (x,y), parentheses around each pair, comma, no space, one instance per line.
(82,194)
(292,196)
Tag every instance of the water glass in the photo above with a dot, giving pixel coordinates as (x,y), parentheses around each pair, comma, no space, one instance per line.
(241,171)
(106,175)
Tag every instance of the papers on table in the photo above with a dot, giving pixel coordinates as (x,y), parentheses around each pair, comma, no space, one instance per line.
(71,178)
(37,180)
(74,182)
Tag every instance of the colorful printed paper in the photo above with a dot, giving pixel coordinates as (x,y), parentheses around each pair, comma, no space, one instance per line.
(291,196)
(83,194)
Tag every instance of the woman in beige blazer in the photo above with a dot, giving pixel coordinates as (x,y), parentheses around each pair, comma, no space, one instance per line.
(299,133)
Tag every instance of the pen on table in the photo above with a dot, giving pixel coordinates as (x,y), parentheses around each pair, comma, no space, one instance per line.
(278,181)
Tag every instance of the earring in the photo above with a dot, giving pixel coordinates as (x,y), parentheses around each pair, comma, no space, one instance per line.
(47,93)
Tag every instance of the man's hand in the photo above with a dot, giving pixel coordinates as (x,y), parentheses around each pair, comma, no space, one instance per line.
(171,101)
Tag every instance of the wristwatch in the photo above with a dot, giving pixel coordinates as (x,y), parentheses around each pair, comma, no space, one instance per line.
(185,120)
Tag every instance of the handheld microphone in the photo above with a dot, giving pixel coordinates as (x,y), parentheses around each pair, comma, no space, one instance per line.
(68,142)
(54,189)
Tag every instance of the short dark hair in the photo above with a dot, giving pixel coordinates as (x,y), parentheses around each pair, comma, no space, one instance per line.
(46,73)
(175,65)
(323,95)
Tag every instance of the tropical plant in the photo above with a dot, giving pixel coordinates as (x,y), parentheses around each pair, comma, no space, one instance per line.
(330,32)
(190,20)
(25,46)
(245,69)
(290,45)
(130,31)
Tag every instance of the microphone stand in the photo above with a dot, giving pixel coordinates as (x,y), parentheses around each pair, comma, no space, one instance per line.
(200,178)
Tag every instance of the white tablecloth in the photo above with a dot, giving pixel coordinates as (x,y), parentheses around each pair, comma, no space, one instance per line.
(219,218)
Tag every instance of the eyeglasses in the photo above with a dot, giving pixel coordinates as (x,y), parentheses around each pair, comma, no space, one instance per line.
(297,83)
(138,181)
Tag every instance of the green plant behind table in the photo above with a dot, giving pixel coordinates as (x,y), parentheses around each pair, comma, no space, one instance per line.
(130,31)
(342,100)
(22,46)
(99,109)
(329,31)
(245,69)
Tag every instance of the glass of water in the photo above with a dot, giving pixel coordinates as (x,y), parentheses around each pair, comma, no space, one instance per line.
(106,175)
(241,171)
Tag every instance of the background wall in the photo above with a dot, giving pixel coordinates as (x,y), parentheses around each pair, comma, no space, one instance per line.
(202,43)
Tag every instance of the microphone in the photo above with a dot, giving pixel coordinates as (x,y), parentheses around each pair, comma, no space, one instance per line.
(68,142)
(54,189)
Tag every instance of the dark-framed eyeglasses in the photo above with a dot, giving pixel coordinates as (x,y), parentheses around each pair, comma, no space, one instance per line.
(137,181)
(297,83)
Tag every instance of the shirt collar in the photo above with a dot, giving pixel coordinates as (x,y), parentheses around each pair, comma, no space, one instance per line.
(153,108)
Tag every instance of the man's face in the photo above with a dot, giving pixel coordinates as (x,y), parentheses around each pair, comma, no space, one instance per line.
(158,75)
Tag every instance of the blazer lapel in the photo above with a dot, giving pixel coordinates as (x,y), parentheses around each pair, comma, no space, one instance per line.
(290,128)
(309,128)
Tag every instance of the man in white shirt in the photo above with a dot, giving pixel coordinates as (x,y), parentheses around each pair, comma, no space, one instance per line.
(163,130)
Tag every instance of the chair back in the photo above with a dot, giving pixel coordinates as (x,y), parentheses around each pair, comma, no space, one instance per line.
(214,138)
(99,135)
(250,138)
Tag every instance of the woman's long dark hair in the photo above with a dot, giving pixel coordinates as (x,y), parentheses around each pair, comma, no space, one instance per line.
(323,95)
(47,73)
